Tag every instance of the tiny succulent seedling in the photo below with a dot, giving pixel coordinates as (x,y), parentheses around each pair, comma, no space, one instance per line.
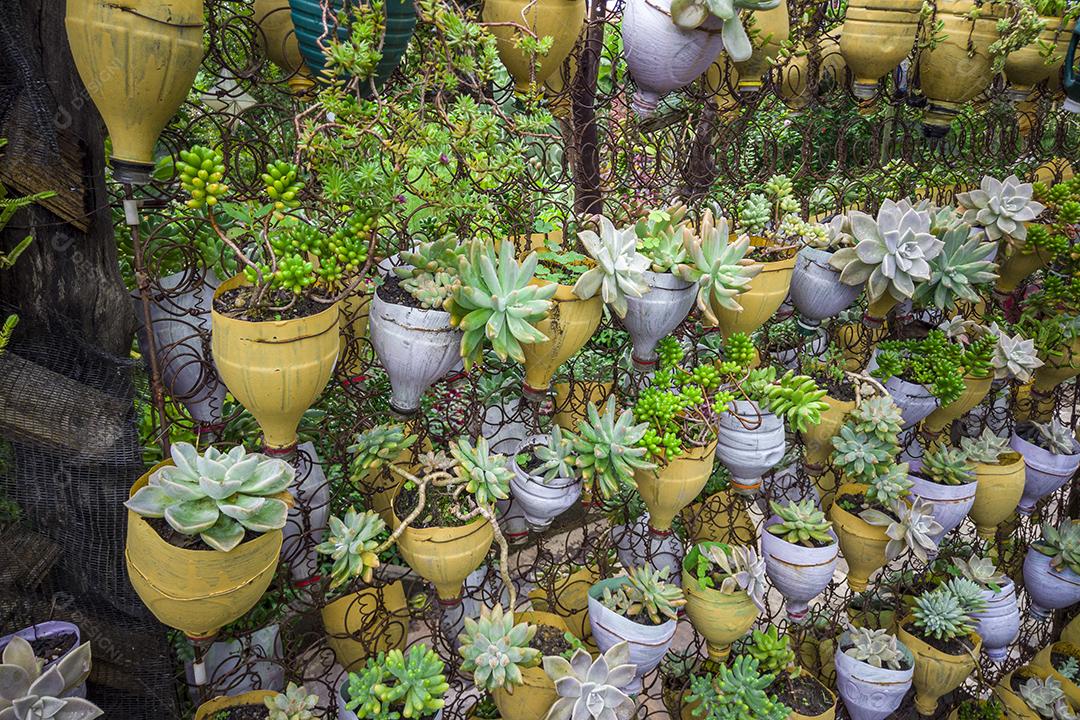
(496,650)
(1069,668)
(801,523)
(876,647)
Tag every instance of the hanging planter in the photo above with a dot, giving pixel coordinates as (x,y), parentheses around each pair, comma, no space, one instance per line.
(1048,589)
(1057,369)
(862,544)
(541,500)
(818,438)
(150,52)
(915,401)
(875,37)
(560,20)
(52,640)
(307,17)
(795,88)
(749,442)
(648,643)
(536,693)
(760,301)
(1026,67)
(937,672)
(362,624)
(816,290)
(999,623)
(277,368)
(1044,472)
(773,27)
(1017,265)
(210,709)
(671,487)
(868,692)
(569,600)
(976,390)
(722,517)
(951,503)
(999,489)
(800,573)
(444,556)
(721,618)
(653,316)
(1044,660)
(278,37)
(569,325)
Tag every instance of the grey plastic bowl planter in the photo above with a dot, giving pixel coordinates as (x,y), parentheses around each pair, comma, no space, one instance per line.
(915,401)
(951,502)
(998,624)
(48,629)
(1044,472)
(870,693)
(800,573)
(749,442)
(541,500)
(648,643)
(816,290)
(653,316)
(1048,589)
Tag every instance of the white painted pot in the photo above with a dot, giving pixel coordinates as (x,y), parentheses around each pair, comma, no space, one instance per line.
(1044,472)
(638,544)
(799,573)
(1048,589)
(816,290)
(870,693)
(653,316)
(661,56)
(999,624)
(915,401)
(542,500)
(307,517)
(749,450)
(254,661)
(415,346)
(343,714)
(951,502)
(648,643)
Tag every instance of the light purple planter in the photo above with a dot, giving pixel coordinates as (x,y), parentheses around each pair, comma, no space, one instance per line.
(1048,589)
(999,624)
(870,693)
(307,518)
(951,502)
(50,628)
(749,453)
(1044,472)
(799,573)
(816,290)
(541,501)
(915,401)
(648,643)
(653,316)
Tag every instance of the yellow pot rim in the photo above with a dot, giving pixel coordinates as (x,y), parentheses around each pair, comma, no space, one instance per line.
(330,313)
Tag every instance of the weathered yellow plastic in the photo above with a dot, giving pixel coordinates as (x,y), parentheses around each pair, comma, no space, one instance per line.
(937,673)
(569,325)
(366,623)
(997,494)
(818,438)
(974,392)
(571,601)
(196,591)
(561,20)
(721,618)
(446,556)
(275,20)
(570,416)
(862,544)
(536,694)
(762,298)
(138,59)
(721,517)
(668,489)
(209,708)
(275,369)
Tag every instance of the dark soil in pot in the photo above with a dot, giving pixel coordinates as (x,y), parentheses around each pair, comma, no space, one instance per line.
(802,694)
(550,641)
(50,647)
(771,252)
(439,507)
(187,542)
(855,503)
(236,303)
(392,292)
(836,389)
(956,646)
(528,461)
(242,712)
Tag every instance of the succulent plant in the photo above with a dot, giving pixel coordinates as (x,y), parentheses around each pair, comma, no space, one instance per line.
(740,568)
(878,415)
(607,448)
(911,529)
(1000,208)
(1061,545)
(967,592)
(860,456)
(980,570)
(948,466)
(690,14)
(717,266)
(496,650)
(619,266)
(1046,697)
(495,302)
(771,649)
(592,689)
(351,543)
(662,236)
(755,212)
(736,693)
(1013,356)
(430,273)
(296,703)
(890,486)
(939,614)
(977,709)
(377,447)
(877,647)
(485,474)
(893,252)
(1069,668)
(412,681)
(1055,437)
(217,495)
(963,263)
(801,523)
(646,591)
(558,456)
(27,693)
(797,398)
(986,448)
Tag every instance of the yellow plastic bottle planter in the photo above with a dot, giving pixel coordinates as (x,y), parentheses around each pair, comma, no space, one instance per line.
(1071,633)
(721,517)
(1017,265)
(876,36)
(998,493)
(773,27)
(210,708)
(137,59)
(274,18)
(536,694)
(721,618)
(1015,706)
(572,401)
(276,369)
(937,673)
(1057,369)
(670,488)
(561,20)
(974,392)
(829,714)
(365,623)
(1042,661)
(760,301)
(444,556)
(877,310)
(818,438)
(568,326)
(862,544)
(1026,67)
(570,601)
(196,591)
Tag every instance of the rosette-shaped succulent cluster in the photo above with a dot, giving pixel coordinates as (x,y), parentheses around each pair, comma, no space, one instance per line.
(351,544)
(941,614)
(1061,545)
(558,458)
(296,703)
(662,236)
(1014,356)
(27,693)
(980,570)
(801,523)
(913,528)
(717,266)
(1047,698)
(607,448)
(485,475)
(739,567)
(590,688)
(495,650)
(1001,208)
(619,266)
(986,448)
(876,647)
(737,693)
(217,495)
(430,272)
(645,592)
(948,466)
(381,445)
(963,263)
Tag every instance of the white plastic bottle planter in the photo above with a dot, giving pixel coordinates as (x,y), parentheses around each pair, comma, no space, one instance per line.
(749,442)
(1048,589)
(1044,472)
(998,624)
(653,316)
(252,661)
(648,643)
(915,401)
(307,517)
(800,573)
(541,500)
(868,692)
(415,346)
(661,56)
(951,502)
(637,544)
(816,290)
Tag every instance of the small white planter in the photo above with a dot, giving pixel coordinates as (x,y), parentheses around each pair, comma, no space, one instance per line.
(799,573)
(870,693)
(1044,472)
(637,544)
(307,517)
(749,442)
(661,56)
(915,401)
(542,500)
(648,643)
(951,502)
(1048,589)
(999,624)
(249,662)
(816,290)
(653,316)
(415,346)
(343,714)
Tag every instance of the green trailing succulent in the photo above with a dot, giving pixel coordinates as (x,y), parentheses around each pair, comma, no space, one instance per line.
(485,475)
(296,703)
(645,594)
(1061,545)
(662,237)
(376,448)
(717,266)
(608,449)
(976,709)
(934,362)
(495,302)
(495,650)
(398,684)
(352,543)
(801,523)
(217,496)
(619,267)
(771,649)
(948,466)
(738,692)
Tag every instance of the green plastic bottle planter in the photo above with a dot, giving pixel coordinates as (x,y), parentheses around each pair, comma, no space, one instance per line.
(308,19)
(1072,83)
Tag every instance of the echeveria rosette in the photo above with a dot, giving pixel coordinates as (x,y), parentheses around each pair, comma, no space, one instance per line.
(690,14)
(495,302)
(1001,208)
(619,270)
(592,689)
(27,693)
(496,650)
(607,448)
(486,476)
(893,251)
(351,544)
(717,266)
(1014,356)
(217,495)
(963,263)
